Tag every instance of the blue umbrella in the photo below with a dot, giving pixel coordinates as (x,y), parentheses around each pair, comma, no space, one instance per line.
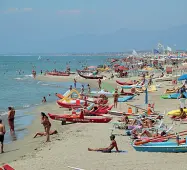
(146,96)
(183,77)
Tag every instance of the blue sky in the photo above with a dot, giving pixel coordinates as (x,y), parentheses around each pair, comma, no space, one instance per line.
(47,20)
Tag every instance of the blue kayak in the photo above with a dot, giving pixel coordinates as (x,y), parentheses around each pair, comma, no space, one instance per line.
(124,99)
(176,95)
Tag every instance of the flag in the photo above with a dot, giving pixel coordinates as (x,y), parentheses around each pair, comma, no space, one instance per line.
(156,51)
(169,49)
(134,53)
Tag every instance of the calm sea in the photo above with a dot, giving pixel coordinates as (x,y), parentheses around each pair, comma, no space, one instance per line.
(19,89)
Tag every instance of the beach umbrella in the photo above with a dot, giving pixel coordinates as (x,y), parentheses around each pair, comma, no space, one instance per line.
(183,77)
(146,96)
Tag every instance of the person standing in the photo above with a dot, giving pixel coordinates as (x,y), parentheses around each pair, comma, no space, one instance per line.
(99,83)
(47,125)
(116,95)
(75,83)
(89,89)
(2,133)
(70,88)
(82,89)
(11,115)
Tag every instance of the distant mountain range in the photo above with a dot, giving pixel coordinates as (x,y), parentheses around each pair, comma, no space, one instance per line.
(126,40)
(121,40)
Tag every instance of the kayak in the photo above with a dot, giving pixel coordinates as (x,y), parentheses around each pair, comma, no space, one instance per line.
(166,96)
(175,112)
(130,86)
(124,83)
(77,119)
(124,99)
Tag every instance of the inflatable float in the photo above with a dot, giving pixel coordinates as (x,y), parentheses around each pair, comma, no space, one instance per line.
(175,112)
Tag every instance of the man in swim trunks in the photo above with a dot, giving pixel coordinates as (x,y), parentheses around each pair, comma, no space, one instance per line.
(11,115)
(108,149)
(2,133)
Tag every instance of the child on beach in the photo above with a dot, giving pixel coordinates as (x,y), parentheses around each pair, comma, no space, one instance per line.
(2,133)
(47,125)
(108,149)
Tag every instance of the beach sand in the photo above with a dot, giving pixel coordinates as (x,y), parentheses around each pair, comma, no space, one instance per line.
(69,146)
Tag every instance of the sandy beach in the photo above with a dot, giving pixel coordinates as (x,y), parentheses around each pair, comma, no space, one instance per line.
(69,146)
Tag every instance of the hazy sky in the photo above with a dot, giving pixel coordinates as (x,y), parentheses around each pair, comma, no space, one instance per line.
(49,19)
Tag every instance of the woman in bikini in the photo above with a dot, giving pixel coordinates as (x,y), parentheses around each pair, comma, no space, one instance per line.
(47,125)
(115,99)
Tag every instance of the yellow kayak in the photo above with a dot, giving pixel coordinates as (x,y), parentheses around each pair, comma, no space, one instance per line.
(175,112)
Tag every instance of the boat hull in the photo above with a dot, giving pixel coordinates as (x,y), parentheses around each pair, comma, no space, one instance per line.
(161,147)
(89,77)
(124,83)
(86,119)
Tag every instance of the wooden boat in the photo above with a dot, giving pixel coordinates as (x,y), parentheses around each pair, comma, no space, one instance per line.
(80,118)
(58,74)
(168,146)
(124,83)
(89,77)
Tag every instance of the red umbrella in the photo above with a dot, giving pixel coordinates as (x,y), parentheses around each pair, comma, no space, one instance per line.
(122,68)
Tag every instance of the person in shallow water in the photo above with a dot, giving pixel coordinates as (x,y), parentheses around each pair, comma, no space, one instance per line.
(11,115)
(44,100)
(2,133)
(108,149)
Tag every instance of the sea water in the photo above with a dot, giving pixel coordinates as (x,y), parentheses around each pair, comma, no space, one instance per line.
(20,90)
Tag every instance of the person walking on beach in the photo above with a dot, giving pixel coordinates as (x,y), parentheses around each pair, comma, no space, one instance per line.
(75,83)
(108,149)
(89,89)
(82,89)
(99,83)
(47,125)
(11,115)
(2,133)
(116,95)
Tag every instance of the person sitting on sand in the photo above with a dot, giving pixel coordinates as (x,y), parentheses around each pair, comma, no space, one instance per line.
(124,119)
(44,100)
(108,149)
(47,125)
(2,133)
(44,133)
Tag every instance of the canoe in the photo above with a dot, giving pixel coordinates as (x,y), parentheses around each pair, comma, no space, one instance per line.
(77,119)
(124,99)
(175,112)
(124,83)
(58,74)
(88,77)
(130,86)
(168,146)
(100,111)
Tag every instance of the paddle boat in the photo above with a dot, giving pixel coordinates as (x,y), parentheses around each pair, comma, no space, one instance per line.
(168,146)
(79,118)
